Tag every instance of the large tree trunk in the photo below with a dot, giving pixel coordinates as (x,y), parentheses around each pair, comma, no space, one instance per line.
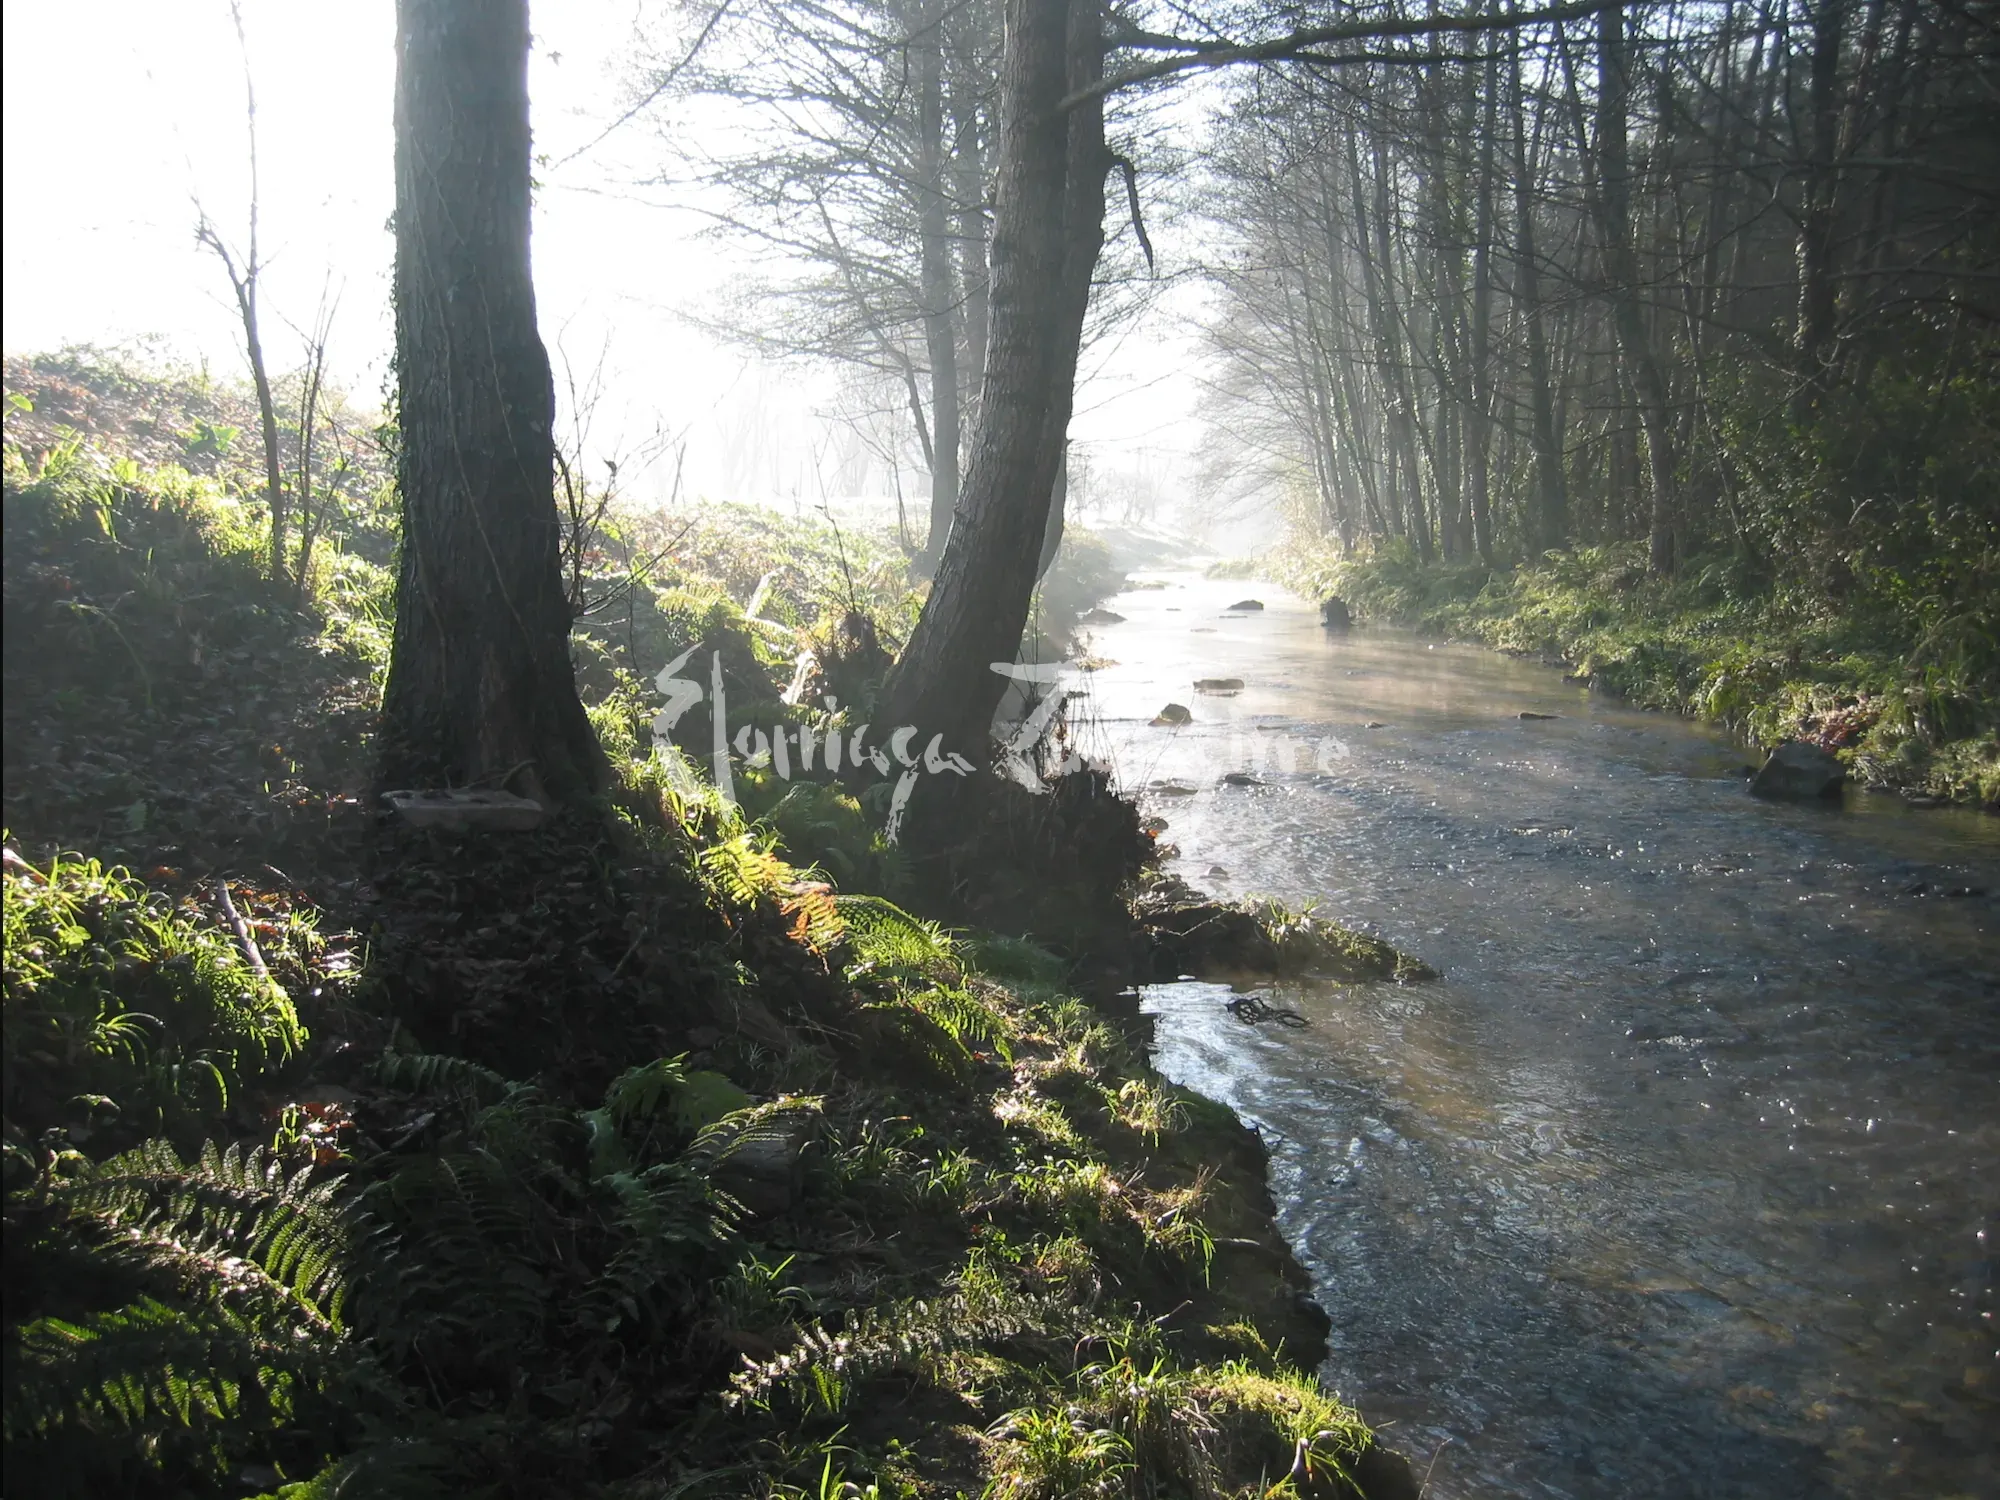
(480,691)
(939,294)
(1048,227)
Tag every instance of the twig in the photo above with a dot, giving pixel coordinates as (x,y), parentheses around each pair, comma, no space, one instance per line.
(243,933)
(20,866)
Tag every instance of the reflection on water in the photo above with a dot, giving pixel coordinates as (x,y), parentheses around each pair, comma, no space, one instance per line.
(1684,1180)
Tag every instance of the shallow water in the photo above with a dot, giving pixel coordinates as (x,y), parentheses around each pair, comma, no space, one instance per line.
(1683,1181)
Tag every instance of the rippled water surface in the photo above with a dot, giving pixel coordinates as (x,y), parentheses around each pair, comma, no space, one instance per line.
(1683,1180)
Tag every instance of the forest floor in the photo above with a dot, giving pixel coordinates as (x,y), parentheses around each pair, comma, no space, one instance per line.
(653,1152)
(1901,713)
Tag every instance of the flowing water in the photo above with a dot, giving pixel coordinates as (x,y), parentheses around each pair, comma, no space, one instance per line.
(1683,1180)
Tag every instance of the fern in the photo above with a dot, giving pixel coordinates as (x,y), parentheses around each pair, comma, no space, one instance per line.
(434,1073)
(233,1275)
(743,871)
(966,1018)
(913,1333)
(236,1206)
(888,942)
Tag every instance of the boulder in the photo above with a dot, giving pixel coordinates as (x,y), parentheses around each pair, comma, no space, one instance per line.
(1218,684)
(1335,615)
(1801,772)
(1529,713)
(1248,604)
(1174,714)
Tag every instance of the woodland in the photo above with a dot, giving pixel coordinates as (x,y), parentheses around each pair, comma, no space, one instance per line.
(679,1140)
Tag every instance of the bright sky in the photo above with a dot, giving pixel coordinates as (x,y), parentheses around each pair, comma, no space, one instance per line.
(120,113)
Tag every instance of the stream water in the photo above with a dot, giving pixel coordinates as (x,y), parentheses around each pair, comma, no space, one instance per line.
(1685,1179)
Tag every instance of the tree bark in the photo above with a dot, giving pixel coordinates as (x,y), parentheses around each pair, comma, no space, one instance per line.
(1814,336)
(1048,227)
(1549,525)
(1621,265)
(940,319)
(480,690)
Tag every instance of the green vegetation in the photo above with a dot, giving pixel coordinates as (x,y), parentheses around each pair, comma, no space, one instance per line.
(654,1152)
(1903,689)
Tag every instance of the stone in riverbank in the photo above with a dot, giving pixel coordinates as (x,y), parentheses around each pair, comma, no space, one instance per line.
(1800,772)
(1192,933)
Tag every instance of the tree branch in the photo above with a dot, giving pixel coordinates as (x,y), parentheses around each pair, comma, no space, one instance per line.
(1302,44)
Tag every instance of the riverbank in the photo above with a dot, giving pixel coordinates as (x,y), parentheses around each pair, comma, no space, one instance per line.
(630,1156)
(1918,717)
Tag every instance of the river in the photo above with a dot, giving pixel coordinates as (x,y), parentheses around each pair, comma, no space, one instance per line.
(1683,1180)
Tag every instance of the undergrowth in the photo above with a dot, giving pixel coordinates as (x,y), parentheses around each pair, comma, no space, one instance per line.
(1907,704)
(662,1152)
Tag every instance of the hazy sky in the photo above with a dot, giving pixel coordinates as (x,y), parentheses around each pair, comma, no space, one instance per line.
(119,113)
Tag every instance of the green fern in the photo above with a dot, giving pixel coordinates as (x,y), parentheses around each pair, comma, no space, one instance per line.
(912,1334)
(227,1277)
(434,1073)
(887,942)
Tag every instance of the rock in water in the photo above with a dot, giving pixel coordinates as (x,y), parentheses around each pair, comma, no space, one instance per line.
(1248,604)
(1799,771)
(1174,713)
(1335,615)
(1528,713)
(1218,684)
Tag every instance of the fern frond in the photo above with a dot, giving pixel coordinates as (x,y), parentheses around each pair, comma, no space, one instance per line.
(743,870)
(229,1223)
(435,1073)
(910,1334)
(743,1128)
(966,1018)
(150,1364)
(886,940)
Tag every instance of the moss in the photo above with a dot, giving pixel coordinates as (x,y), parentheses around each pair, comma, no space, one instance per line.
(1719,640)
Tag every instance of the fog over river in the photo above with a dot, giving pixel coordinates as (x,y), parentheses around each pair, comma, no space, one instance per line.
(1684,1179)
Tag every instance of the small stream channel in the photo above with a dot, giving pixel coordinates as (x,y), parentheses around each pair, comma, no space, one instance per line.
(1685,1179)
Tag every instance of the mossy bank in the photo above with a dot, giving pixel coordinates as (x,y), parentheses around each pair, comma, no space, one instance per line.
(1908,701)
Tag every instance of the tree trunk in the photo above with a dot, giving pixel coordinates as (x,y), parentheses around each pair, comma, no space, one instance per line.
(1548,528)
(1814,336)
(968,178)
(480,691)
(1052,529)
(1479,425)
(940,332)
(1048,227)
(1621,266)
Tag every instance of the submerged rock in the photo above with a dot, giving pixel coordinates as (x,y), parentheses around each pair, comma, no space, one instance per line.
(1335,615)
(1100,617)
(1528,713)
(1218,684)
(1248,604)
(1800,772)
(1174,714)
